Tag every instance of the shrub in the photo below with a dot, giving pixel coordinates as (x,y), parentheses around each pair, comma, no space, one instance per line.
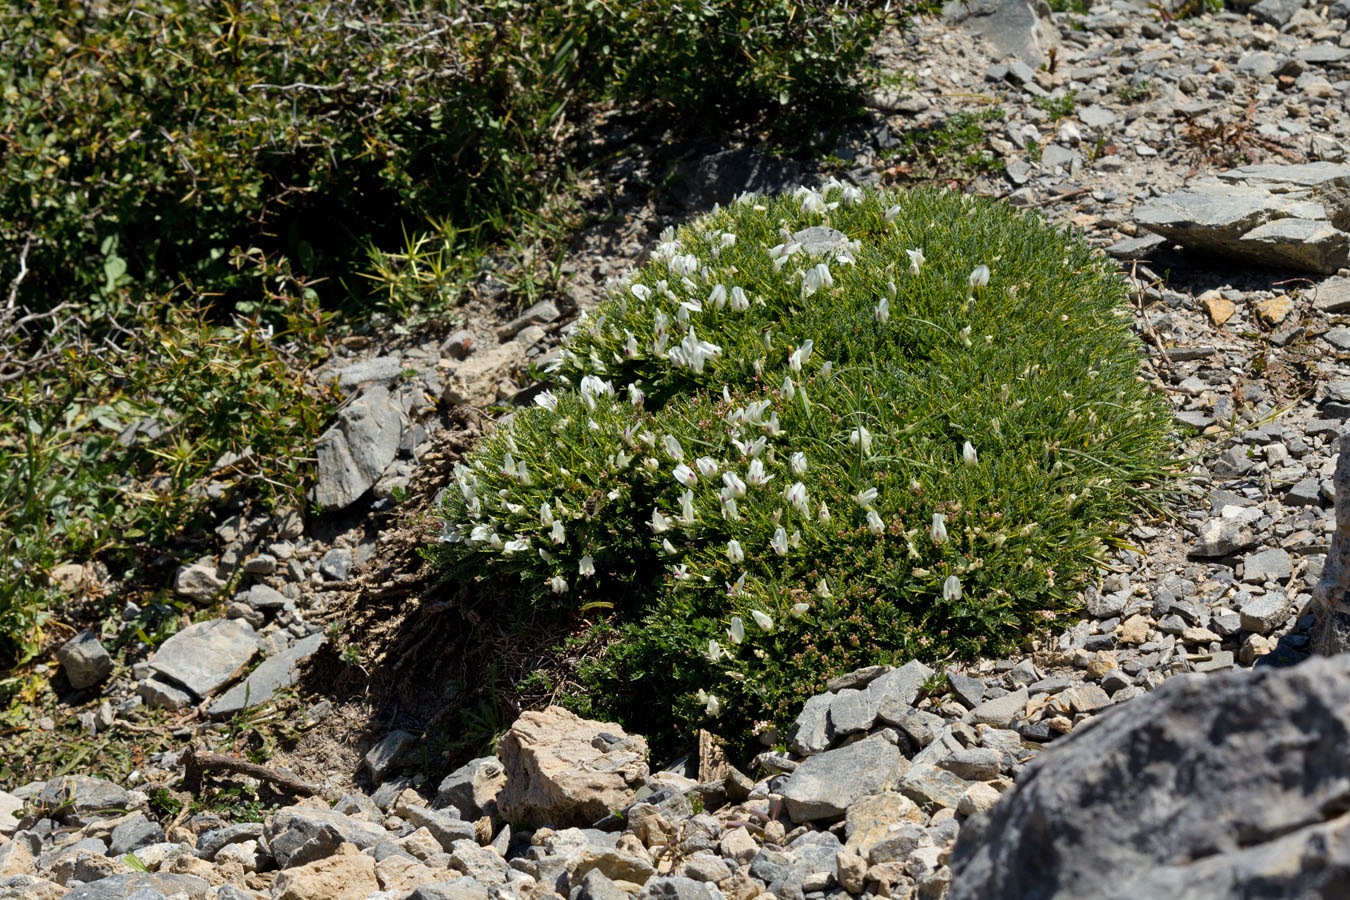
(778,456)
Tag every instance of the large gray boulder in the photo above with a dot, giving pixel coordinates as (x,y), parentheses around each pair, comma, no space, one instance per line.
(297,835)
(1284,216)
(1213,787)
(824,786)
(1020,28)
(273,674)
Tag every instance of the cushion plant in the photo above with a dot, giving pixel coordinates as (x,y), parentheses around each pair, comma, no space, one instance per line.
(813,432)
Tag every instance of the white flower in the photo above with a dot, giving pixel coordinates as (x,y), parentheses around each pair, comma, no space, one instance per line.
(715,651)
(557,533)
(892,213)
(711,705)
(884,311)
(558,584)
(796,496)
(728,240)
(916,260)
(779,542)
(587,565)
(861,437)
(729,510)
(591,387)
(979,277)
(641,291)
(938,530)
(816,278)
(735,590)
(874,523)
(547,399)
(707,466)
(826,368)
(762,620)
(687,507)
(964,336)
(798,463)
(824,513)
(797,610)
(755,412)
(495,541)
(951,589)
(755,474)
(737,630)
(735,486)
(968,454)
(823,589)
(659,522)
(813,202)
(788,390)
(718,296)
(516,546)
(668,547)
(866,498)
(734,552)
(545,515)
(739,301)
(635,395)
(685,475)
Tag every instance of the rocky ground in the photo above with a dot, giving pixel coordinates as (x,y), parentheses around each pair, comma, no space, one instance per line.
(1130,125)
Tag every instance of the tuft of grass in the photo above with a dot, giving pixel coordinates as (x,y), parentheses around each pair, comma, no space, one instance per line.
(953,149)
(1058,107)
(766,464)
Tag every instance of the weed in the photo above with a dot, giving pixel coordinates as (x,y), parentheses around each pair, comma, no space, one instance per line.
(1136,93)
(949,150)
(1058,107)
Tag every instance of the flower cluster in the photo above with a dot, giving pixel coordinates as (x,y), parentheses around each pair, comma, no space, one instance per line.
(800,402)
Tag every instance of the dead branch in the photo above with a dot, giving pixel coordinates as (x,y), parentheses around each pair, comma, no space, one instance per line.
(196,764)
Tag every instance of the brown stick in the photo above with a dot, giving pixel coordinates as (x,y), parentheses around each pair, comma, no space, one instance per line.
(197,764)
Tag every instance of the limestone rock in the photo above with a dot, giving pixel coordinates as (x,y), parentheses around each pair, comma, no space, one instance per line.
(1282,216)
(141,884)
(206,655)
(824,786)
(274,673)
(297,835)
(1217,786)
(343,877)
(568,771)
(81,799)
(355,451)
(84,660)
(1015,27)
(473,788)
(197,581)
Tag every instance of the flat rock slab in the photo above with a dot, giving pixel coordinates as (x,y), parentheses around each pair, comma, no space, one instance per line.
(206,656)
(1282,216)
(1217,786)
(299,835)
(81,799)
(356,450)
(273,674)
(824,786)
(1015,27)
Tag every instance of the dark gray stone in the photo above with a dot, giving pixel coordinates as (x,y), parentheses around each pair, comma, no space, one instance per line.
(297,835)
(721,177)
(1275,12)
(1222,537)
(336,564)
(141,886)
(972,763)
(81,799)
(381,369)
(210,843)
(1268,565)
(84,660)
(206,655)
(473,787)
(386,753)
(999,711)
(1265,612)
(273,674)
(596,885)
(933,788)
(851,711)
(1222,786)
(810,733)
(823,786)
(133,834)
(969,691)
(459,889)
(898,689)
(677,887)
(161,695)
(444,827)
(921,727)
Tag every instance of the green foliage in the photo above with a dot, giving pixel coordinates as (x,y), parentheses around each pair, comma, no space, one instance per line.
(775,465)
(952,149)
(1136,93)
(105,454)
(1058,107)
